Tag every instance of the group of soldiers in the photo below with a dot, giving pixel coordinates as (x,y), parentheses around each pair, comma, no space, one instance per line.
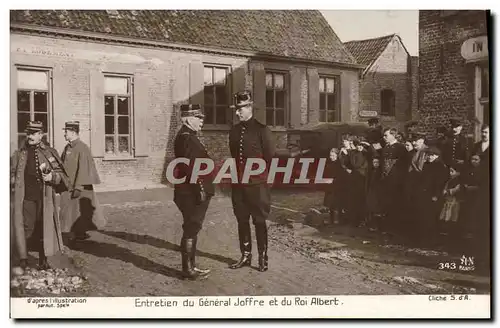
(38,176)
(418,184)
(248,139)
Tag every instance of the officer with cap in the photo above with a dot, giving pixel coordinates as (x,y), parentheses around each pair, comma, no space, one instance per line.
(455,149)
(192,199)
(80,209)
(37,174)
(250,139)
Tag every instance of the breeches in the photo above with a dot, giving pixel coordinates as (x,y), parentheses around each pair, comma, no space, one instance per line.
(193,214)
(251,200)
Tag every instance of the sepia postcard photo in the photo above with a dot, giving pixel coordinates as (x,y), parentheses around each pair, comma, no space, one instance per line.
(250,164)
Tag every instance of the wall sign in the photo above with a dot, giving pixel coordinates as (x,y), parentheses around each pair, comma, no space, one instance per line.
(475,49)
(368,113)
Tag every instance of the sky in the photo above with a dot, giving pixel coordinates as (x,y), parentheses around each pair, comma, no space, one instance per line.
(366,24)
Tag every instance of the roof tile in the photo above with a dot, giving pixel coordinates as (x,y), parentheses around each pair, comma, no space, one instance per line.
(303,34)
(367,51)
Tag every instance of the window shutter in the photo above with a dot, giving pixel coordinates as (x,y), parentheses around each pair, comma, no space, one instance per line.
(313,99)
(97,113)
(196,83)
(259,93)
(13,108)
(141,111)
(239,84)
(295,97)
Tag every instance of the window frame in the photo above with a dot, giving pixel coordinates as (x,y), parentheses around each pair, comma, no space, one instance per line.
(116,155)
(230,116)
(49,128)
(392,105)
(286,100)
(336,86)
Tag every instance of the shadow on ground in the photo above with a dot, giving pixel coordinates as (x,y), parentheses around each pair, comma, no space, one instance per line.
(160,243)
(112,251)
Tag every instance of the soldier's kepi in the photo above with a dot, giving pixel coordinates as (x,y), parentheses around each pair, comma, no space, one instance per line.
(250,139)
(191,199)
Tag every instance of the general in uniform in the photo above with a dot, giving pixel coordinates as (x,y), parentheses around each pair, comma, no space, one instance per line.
(80,209)
(192,199)
(37,174)
(250,139)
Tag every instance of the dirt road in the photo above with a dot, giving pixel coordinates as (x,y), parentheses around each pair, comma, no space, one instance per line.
(137,255)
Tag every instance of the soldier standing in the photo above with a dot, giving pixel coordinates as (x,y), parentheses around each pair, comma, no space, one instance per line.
(80,209)
(250,139)
(37,174)
(455,149)
(192,199)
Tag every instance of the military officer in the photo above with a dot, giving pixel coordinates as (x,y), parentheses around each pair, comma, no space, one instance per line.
(37,174)
(80,209)
(250,139)
(455,149)
(192,199)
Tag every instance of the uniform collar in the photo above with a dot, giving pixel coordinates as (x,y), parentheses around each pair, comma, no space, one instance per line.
(248,122)
(73,143)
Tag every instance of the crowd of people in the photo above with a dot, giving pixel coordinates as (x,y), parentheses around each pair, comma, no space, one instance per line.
(418,185)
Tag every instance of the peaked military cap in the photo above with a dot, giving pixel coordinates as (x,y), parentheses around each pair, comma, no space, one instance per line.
(34,126)
(191,110)
(242,99)
(455,122)
(373,120)
(72,126)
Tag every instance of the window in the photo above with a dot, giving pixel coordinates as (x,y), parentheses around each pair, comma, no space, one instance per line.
(117,115)
(33,100)
(276,103)
(484,98)
(216,95)
(388,102)
(328,99)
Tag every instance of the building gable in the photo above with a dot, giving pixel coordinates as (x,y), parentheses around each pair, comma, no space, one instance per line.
(392,60)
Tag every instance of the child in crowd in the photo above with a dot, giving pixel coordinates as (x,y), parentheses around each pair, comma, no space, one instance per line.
(451,205)
(374,207)
(332,199)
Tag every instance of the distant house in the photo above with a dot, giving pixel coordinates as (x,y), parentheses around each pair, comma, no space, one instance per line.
(389,82)
(124,73)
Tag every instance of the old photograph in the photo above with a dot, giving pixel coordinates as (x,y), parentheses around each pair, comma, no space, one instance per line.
(222,160)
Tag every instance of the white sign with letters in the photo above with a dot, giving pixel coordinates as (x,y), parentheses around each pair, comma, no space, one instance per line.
(368,113)
(475,49)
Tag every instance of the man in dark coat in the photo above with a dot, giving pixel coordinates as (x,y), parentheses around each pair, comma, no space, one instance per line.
(37,174)
(192,198)
(455,150)
(393,172)
(430,193)
(80,209)
(482,148)
(250,139)
(375,137)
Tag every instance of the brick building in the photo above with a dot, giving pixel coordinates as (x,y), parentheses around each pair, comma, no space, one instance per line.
(454,68)
(123,75)
(389,83)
